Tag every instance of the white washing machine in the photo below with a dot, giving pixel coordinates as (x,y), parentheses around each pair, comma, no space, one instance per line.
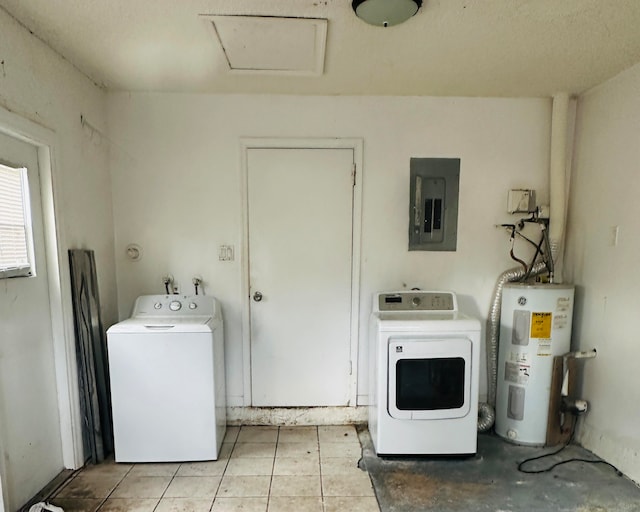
(166,366)
(425,358)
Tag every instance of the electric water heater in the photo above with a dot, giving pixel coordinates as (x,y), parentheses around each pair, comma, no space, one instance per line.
(535,326)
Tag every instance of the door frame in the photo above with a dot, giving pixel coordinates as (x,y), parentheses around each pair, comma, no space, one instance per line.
(45,141)
(354,144)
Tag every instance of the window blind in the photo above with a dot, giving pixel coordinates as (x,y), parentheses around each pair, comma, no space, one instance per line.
(14,226)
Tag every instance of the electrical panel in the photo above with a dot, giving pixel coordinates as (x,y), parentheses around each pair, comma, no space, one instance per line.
(433,208)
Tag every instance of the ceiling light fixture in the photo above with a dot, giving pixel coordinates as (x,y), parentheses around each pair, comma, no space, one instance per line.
(385,13)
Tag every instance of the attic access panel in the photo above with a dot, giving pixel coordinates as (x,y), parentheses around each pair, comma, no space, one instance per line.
(271,45)
(433,207)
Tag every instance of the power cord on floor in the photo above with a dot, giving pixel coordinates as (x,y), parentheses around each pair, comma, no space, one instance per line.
(567,461)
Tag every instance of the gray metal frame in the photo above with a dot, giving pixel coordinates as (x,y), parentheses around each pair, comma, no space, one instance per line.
(433,205)
(91,356)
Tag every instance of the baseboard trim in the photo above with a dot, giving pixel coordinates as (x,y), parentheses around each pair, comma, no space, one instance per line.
(296,415)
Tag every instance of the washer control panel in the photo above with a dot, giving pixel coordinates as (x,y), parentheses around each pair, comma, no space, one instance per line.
(417,301)
(172,305)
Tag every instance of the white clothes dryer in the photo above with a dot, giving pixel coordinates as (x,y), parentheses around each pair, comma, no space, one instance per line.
(425,358)
(166,366)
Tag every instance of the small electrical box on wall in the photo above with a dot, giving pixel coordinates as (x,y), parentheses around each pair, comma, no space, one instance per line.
(433,208)
(521,201)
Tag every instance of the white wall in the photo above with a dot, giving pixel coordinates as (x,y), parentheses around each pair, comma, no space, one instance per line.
(604,194)
(177,192)
(39,86)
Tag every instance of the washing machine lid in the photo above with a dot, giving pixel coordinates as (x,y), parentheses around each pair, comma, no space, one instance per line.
(174,324)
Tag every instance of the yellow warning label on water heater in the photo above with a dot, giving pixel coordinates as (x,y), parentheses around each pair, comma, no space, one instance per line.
(541,325)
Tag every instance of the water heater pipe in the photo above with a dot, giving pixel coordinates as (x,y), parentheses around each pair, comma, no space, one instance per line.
(557,180)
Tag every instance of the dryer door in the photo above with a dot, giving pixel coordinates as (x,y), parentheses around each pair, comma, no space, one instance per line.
(429,378)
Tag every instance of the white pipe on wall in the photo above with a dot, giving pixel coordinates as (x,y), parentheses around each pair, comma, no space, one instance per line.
(557,178)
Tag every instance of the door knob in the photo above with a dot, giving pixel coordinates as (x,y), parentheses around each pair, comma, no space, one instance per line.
(257,296)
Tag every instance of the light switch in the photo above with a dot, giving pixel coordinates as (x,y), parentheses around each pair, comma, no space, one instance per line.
(615,233)
(225,253)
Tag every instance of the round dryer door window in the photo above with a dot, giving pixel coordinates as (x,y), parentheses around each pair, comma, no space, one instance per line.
(429,378)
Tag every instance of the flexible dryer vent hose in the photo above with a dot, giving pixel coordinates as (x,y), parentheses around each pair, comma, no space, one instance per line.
(493,332)
(486,417)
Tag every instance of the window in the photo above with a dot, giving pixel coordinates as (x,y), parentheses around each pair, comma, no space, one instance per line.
(430,384)
(16,242)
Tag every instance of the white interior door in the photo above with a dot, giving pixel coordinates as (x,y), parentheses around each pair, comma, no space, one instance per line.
(30,440)
(300,214)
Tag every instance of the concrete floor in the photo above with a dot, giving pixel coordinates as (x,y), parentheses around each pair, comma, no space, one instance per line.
(490,482)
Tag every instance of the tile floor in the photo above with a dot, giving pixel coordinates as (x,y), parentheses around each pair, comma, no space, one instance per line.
(274,469)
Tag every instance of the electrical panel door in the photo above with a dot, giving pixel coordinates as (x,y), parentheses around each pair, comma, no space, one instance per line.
(433,208)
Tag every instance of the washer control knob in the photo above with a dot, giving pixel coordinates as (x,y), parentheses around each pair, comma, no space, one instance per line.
(175,305)
(157,305)
(192,305)
(416,301)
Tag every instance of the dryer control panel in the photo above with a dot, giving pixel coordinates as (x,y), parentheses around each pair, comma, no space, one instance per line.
(416,301)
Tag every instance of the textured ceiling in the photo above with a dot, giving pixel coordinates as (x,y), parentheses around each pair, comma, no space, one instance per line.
(450,48)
